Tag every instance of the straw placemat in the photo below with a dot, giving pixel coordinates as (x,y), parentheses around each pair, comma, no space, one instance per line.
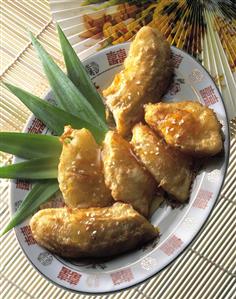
(205,270)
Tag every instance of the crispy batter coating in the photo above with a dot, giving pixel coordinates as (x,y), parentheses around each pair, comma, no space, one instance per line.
(171,169)
(189,126)
(128,180)
(157,201)
(93,232)
(80,171)
(145,78)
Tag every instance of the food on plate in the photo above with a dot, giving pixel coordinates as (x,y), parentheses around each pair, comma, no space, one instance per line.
(145,78)
(189,126)
(128,180)
(109,192)
(157,200)
(80,171)
(171,169)
(92,232)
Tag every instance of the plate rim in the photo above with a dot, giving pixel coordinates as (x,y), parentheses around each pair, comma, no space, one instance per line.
(187,244)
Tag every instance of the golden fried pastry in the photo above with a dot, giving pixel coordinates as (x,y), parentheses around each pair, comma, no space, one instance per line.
(170,168)
(158,199)
(145,78)
(128,180)
(188,126)
(93,232)
(80,171)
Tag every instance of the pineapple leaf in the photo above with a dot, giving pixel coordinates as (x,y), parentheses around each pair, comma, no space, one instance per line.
(39,194)
(68,97)
(40,168)
(29,146)
(53,117)
(78,75)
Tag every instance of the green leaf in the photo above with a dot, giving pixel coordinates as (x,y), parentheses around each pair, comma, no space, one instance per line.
(41,168)
(39,194)
(78,75)
(29,146)
(53,117)
(66,93)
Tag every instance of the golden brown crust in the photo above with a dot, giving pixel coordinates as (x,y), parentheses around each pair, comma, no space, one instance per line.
(93,232)
(80,171)
(189,126)
(125,176)
(158,199)
(170,168)
(145,78)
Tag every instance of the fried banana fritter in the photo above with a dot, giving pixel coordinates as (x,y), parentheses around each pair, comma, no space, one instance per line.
(93,232)
(145,78)
(189,126)
(156,202)
(80,171)
(125,176)
(170,168)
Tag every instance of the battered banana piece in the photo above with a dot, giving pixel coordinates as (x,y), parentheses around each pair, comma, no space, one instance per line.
(80,171)
(147,74)
(125,176)
(189,126)
(170,168)
(93,232)
(156,202)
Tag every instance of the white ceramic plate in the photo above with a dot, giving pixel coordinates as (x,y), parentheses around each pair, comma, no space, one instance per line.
(178,226)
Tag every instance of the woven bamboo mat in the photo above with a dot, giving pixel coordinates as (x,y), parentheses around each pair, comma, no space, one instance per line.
(206,270)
